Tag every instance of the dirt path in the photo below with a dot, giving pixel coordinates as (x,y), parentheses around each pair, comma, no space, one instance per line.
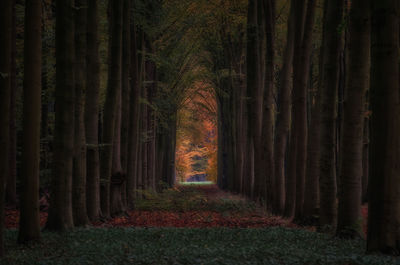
(186,206)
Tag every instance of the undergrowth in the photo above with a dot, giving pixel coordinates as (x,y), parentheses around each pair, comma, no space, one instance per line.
(190,246)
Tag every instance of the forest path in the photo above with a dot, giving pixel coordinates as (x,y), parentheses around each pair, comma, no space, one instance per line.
(193,205)
(189,224)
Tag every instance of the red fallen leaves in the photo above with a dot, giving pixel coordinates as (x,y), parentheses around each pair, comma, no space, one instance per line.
(193,219)
(190,219)
(12,218)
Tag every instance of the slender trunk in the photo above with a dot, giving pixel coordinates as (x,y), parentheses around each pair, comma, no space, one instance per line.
(298,102)
(11,196)
(5,82)
(332,41)
(60,211)
(384,197)
(283,116)
(110,107)
(29,226)
(92,113)
(300,87)
(133,142)
(79,174)
(254,100)
(267,142)
(351,165)
(126,87)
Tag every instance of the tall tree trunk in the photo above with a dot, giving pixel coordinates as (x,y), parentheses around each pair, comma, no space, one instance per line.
(60,211)
(126,90)
(254,100)
(5,77)
(133,140)
(267,142)
(92,113)
(29,226)
(79,174)
(110,107)
(332,41)
(283,116)
(384,197)
(351,153)
(297,105)
(11,196)
(300,87)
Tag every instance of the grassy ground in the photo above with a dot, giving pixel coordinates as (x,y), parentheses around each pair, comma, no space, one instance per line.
(190,246)
(191,225)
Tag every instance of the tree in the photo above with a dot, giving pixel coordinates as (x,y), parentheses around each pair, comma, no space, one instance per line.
(283,115)
(253,106)
(29,227)
(332,40)
(79,167)
(5,76)
(92,113)
(60,211)
(11,192)
(351,157)
(110,107)
(267,142)
(384,186)
(133,141)
(304,19)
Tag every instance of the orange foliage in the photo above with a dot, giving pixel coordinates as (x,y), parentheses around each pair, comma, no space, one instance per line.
(197,133)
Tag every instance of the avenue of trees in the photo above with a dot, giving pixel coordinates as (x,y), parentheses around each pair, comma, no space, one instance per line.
(307,107)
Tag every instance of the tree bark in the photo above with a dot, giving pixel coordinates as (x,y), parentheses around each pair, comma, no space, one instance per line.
(110,107)
(92,113)
(384,197)
(297,104)
(283,116)
(332,41)
(60,211)
(29,226)
(351,158)
(267,138)
(5,77)
(133,140)
(79,167)
(11,193)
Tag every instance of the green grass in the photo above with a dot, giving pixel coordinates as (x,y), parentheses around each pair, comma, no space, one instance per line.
(190,198)
(197,183)
(190,246)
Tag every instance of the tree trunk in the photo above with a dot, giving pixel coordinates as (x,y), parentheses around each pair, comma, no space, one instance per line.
(351,167)
(384,198)
(267,138)
(133,140)
(297,104)
(79,174)
(60,211)
(5,77)
(92,113)
(29,226)
(110,107)
(332,41)
(11,196)
(283,116)
(300,87)
(254,101)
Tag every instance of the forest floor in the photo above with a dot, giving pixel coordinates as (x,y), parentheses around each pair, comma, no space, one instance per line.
(189,224)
